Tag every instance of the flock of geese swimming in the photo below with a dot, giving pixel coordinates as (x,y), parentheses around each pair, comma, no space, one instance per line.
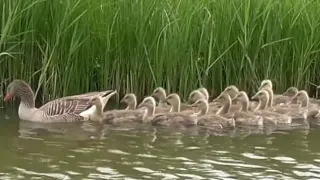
(230,109)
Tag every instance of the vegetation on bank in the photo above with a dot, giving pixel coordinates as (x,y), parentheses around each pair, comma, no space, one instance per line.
(75,46)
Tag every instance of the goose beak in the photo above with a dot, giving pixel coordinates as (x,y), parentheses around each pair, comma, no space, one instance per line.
(7,98)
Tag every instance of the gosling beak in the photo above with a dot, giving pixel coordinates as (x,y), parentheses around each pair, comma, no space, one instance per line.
(254,96)
(141,105)
(122,100)
(294,98)
(215,100)
(153,94)
(193,105)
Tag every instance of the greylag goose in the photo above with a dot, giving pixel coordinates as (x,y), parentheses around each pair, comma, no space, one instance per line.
(65,109)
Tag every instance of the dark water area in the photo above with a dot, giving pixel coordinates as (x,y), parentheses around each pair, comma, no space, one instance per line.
(92,151)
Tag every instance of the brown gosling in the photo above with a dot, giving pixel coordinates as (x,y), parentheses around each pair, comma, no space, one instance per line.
(268,115)
(297,113)
(175,117)
(150,104)
(205,92)
(243,116)
(160,94)
(211,121)
(310,109)
(117,116)
(130,100)
(174,101)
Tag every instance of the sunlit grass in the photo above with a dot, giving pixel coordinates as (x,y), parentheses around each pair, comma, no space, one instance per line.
(70,47)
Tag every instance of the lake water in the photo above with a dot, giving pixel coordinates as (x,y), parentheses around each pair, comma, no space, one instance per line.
(89,151)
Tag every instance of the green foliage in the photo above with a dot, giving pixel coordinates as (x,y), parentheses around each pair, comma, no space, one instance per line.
(75,46)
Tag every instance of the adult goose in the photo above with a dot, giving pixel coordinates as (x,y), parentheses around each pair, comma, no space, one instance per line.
(65,109)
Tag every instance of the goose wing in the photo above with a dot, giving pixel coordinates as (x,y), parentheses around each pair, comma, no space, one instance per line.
(70,104)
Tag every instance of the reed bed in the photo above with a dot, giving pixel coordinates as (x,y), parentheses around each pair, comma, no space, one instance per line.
(75,46)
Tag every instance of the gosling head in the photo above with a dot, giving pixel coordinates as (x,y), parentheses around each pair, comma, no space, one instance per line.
(223,97)
(205,92)
(200,103)
(96,100)
(242,97)
(291,92)
(301,96)
(159,93)
(232,90)
(195,95)
(266,84)
(129,98)
(261,95)
(148,102)
(173,99)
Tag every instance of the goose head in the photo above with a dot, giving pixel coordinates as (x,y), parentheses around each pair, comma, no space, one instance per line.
(21,89)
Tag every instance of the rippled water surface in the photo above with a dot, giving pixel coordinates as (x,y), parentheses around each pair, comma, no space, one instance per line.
(89,151)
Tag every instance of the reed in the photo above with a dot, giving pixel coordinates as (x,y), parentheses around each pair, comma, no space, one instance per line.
(69,47)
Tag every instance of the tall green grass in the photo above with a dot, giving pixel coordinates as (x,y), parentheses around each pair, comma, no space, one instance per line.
(75,46)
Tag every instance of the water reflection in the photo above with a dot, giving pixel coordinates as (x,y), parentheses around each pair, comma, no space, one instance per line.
(90,151)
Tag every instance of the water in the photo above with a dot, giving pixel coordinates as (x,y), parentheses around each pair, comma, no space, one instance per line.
(89,151)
